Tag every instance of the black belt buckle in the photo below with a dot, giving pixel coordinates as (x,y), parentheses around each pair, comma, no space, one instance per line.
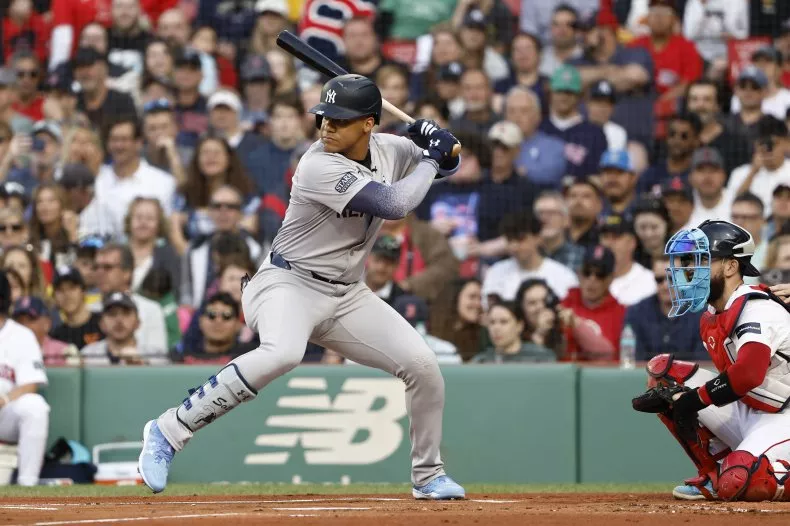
(279,261)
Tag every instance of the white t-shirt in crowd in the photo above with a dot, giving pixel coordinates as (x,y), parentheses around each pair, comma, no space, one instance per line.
(505,277)
(775,105)
(634,286)
(21,362)
(720,211)
(616,136)
(147,181)
(763,184)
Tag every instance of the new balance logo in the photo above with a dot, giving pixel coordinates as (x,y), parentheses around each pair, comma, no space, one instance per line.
(434,143)
(330,96)
(360,426)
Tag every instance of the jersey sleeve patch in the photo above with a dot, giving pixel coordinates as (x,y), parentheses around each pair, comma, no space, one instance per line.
(752,327)
(345,182)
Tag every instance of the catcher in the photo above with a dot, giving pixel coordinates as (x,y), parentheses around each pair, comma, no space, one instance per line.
(734,425)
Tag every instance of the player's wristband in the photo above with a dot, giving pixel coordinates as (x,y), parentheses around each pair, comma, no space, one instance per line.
(720,392)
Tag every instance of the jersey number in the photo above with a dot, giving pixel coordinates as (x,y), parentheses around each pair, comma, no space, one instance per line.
(349,213)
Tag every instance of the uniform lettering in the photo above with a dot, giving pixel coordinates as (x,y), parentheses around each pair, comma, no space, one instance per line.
(752,327)
(345,182)
(349,213)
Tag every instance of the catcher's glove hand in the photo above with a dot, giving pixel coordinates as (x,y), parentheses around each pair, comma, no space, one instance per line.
(657,399)
(683,409)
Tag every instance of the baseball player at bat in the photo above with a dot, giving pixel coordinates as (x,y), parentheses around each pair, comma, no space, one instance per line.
(734,424)
(309,287)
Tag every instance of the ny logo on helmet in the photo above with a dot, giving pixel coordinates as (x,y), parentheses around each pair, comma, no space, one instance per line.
(330,96)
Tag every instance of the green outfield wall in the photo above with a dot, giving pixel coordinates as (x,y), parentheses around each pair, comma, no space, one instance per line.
(503,423)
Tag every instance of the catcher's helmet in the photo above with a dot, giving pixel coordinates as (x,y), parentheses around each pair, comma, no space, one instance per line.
(348,97)
(727,240)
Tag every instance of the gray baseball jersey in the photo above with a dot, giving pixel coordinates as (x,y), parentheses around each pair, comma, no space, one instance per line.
(319,234)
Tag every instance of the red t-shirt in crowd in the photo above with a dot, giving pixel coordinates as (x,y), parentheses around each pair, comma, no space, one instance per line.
(678,62)
(411,261)
(154,8)
(31,36)
(786,78)
(80,13)
(34,110)
(606,319)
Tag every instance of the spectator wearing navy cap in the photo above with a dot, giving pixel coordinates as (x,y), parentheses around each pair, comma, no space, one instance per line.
(777,98)
(619,182)
(600,107)
(102,105)
(448,87)
(32,312)
(683,138)
(415,310)
(257,87)
(712,200)
(381,266)
(191,106)
(678,198)
(585,142)
(657,333)
(79,326)
(542,156)
(632,282)
(594,309)
(62,98)
(750,88)
(12,195)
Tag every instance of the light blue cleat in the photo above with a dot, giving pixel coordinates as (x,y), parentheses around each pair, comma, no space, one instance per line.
(689,492)
(440,488)
(155,458)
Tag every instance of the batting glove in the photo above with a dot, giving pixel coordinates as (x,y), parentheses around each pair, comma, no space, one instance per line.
(440,146)
(420,132)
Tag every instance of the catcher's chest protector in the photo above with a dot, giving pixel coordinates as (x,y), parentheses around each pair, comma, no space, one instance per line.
(716,333)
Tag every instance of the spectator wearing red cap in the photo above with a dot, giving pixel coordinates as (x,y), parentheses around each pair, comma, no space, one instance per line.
(628,71)
(31,312)
(594,306)
(677,62)
(712,200)
(678,199)
(24,29)
(632,282)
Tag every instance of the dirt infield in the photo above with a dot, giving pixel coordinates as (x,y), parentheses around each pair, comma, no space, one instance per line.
(507,509)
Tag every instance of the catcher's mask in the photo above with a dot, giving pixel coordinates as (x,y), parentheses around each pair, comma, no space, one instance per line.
(689,271)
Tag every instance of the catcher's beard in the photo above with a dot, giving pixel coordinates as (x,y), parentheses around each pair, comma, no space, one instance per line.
(716,286)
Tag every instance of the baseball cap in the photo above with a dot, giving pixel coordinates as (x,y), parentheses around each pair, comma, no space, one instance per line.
(413,309)
(387,246)
(570,182)
(451,72)
(648,204)
(225,98)
(754,74)
(67,274)
(272,6)
(615,224)
(706,156)
(48,127)
(7,77)
(603,89)
(475,18)
(256,67)
(61,80)
(76,175)
(767,52)
(566,78)
(87,56)
(189,58)
(600,257)
(13,189)
(507,133)
(618,159)
(677,186)
(32,306)
(118,299)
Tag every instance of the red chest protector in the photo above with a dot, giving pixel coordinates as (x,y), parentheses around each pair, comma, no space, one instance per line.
(716,330)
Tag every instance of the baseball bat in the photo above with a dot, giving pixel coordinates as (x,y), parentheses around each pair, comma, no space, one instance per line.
(324,65)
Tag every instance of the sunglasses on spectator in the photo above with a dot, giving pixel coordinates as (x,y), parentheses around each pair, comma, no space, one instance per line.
(22,73)
(157,105)
(213,315)
(598,273)
(12,227)
(660,279)
(225,206)
(682,134)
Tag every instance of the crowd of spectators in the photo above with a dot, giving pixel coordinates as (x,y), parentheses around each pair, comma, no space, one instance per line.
(147,149)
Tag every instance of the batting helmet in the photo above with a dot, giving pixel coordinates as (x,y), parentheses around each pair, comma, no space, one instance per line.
(348,97)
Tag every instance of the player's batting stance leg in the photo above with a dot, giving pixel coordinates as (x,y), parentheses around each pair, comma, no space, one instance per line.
(733,424)
(309,287)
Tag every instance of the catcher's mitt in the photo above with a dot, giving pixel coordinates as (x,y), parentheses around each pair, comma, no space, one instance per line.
(657,399)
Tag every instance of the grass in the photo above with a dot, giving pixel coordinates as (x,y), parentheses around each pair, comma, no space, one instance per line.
(267,489)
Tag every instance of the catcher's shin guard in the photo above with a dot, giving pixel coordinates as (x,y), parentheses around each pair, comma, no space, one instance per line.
(746,477)
(665,370)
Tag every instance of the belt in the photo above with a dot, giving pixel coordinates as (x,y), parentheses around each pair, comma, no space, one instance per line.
(280,262)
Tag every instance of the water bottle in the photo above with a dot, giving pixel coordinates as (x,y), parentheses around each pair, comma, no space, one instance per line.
(627,348)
